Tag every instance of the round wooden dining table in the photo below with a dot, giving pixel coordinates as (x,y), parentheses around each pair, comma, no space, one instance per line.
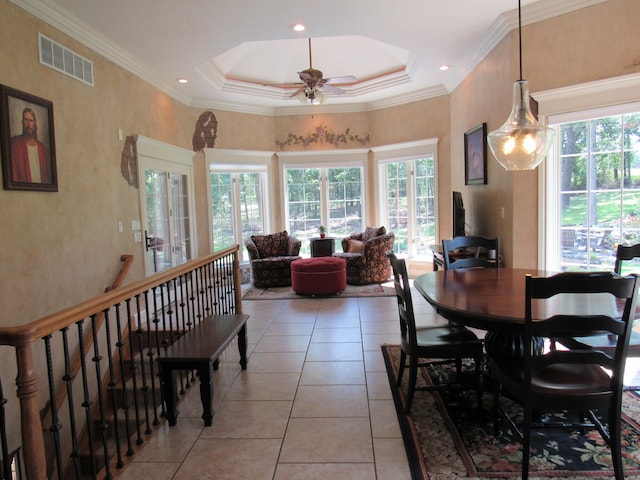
(493,299)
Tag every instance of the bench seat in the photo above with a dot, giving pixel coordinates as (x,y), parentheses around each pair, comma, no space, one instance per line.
(198,349)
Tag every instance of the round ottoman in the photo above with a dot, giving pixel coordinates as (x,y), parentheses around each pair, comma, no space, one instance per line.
(319,275)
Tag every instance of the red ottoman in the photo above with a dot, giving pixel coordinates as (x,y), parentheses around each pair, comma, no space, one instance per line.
(319,275)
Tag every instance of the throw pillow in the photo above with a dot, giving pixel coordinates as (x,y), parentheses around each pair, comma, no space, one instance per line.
(372,232)
(355,246)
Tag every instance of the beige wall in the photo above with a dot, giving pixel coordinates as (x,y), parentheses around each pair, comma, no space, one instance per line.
(61,248)
(591,44)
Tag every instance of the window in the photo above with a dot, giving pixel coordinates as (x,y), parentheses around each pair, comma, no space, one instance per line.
(238,196)
(167,205)
(599,189)
(329,196)
(410,205)
(597,195)
(237,207)
(408,193)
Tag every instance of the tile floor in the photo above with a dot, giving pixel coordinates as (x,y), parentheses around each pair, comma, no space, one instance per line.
(314,403)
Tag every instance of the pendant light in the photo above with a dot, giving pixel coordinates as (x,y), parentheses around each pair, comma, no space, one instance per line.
(521,142)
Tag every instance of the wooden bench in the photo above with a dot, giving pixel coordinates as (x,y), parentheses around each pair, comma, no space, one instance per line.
(199,349)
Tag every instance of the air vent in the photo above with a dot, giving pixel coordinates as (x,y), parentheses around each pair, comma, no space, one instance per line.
(64,60)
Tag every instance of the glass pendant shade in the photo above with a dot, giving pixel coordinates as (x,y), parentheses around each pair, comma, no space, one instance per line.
(521,143)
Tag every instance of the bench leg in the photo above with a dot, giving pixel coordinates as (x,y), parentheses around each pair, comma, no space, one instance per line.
(170,391)
(205,372)
(242,346)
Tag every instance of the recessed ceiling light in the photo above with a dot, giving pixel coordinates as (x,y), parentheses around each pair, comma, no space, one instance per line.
(298,27)
(182,80)
(444,67)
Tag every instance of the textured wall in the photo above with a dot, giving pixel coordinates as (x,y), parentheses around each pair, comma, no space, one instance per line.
(590,44)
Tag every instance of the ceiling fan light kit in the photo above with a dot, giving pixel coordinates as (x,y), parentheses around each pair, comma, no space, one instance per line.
(313,84)
(521,143)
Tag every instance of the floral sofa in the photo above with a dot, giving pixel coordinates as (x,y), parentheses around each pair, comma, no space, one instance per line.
(270,257)
(365,254)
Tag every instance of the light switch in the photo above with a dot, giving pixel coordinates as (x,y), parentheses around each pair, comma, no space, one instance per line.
(120,229)
(137,237)
(135,225)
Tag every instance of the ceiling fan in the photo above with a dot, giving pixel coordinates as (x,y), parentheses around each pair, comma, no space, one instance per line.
(314,84)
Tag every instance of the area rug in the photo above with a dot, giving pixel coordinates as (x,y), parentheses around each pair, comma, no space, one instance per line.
(447,436)
(282,293)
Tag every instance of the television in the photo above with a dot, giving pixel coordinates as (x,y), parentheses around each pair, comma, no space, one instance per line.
(458,215)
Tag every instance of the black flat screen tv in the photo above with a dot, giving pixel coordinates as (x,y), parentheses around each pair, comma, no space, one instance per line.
(458,215)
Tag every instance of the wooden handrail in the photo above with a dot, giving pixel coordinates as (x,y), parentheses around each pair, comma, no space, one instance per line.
(61,393)
(44,326)
(23,337)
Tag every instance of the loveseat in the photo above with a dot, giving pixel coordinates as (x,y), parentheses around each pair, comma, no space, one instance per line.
(365,254)
(270,257)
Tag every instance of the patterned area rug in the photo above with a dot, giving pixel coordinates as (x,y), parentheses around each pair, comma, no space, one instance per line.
(450,438)
(282,293)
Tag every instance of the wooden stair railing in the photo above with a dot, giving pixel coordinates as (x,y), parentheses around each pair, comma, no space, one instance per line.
(61,393)
(209,285)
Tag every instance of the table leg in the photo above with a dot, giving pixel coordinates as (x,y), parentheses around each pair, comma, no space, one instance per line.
(205,372)
(242,346)
(170,391)
(502,345)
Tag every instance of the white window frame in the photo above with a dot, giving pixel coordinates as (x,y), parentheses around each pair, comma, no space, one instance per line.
(239,161)
(156,155)
(613,96)
(323,160)
(405,152)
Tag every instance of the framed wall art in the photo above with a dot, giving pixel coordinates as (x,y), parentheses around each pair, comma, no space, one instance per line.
(475,155)
(28,142)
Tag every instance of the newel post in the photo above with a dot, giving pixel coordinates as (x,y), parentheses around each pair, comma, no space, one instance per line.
(32,439)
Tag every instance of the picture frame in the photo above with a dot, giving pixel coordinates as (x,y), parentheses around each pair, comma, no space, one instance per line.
(27,142)
(475,155)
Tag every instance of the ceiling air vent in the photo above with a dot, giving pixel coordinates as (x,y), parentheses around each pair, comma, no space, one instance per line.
(64,60)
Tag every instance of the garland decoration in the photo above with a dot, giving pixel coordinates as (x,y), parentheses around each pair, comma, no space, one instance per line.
(323,135)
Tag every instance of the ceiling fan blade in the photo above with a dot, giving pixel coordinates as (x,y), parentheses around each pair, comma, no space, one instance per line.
(331,89)
(345,79)
(297,92)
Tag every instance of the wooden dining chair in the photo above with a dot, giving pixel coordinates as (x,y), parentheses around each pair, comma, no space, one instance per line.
(569,380)
(439,344)
(604,342)
(472,251)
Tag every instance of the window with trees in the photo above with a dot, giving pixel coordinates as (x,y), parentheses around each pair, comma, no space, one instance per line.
(328,196)
(597,196)
(166,199)
(238,207)
(410,208)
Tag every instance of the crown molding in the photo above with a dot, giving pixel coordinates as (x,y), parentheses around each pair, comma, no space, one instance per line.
(79,31)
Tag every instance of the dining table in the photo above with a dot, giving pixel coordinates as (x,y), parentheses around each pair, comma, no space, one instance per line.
(493,299)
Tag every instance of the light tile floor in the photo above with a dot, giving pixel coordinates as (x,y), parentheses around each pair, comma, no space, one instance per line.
(314,403)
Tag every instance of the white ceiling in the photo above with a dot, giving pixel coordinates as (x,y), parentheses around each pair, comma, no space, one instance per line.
(234,52)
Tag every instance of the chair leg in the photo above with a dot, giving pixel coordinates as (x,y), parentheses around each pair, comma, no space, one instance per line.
(403,360)
(479,382)
(496,407)
(526,443)
(413,377)
(615,442)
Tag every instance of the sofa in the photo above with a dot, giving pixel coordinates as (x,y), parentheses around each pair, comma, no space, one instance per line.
(270,257)
(365,254)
